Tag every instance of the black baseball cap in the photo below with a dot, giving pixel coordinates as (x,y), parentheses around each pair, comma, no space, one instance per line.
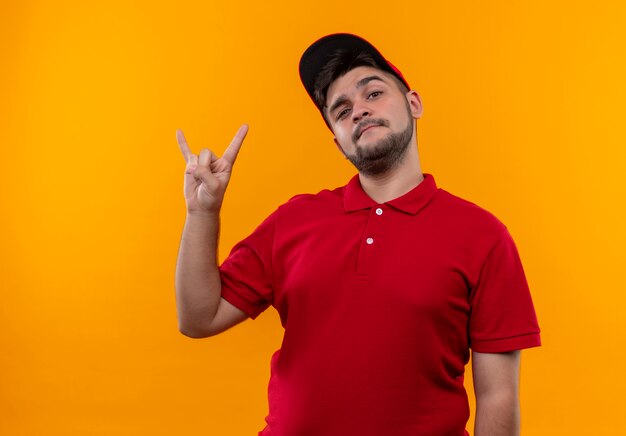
(318,54)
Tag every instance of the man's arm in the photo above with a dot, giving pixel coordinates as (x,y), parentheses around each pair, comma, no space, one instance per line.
(496,385)
(201,310)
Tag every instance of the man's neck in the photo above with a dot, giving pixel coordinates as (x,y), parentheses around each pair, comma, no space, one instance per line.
(394,183)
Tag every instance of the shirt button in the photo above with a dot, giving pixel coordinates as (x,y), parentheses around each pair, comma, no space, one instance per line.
(379,211)
(370,241)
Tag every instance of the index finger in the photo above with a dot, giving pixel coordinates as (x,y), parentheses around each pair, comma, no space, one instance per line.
(233,148)
(182,143)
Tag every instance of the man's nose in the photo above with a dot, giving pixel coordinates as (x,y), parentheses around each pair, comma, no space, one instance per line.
(360,112)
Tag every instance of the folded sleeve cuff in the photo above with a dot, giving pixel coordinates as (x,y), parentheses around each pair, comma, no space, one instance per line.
(248,308)
(506,344)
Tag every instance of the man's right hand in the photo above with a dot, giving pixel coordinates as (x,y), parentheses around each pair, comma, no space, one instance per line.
(206,175)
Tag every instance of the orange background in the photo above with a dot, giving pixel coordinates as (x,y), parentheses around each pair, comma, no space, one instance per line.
(524,107)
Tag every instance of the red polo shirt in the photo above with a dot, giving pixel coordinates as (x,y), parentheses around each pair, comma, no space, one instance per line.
(380,304)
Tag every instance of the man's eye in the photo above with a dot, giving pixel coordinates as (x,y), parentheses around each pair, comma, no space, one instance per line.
(342,113)
(375,94)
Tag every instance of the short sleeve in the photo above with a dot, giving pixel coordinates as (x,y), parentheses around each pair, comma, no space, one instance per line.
(502,315)
(247,272)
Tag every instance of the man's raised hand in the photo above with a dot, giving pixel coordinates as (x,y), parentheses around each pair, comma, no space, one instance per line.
(206,175)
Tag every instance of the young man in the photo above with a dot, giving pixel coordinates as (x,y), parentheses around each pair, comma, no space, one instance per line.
(383,285)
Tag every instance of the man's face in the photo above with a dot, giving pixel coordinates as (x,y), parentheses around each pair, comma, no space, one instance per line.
(372,119)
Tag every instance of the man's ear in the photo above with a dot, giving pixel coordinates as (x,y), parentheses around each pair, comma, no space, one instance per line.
(415,103)
(339,147)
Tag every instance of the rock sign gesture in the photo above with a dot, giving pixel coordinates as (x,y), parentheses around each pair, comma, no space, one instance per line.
(206,175)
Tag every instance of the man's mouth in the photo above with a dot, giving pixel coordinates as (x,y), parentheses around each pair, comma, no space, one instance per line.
(366,128)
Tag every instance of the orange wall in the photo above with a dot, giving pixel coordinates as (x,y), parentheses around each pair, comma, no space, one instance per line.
(523,115)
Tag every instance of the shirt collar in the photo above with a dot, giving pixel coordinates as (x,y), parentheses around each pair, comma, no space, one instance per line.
(355,198)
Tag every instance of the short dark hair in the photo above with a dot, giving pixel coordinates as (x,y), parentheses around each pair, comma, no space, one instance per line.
(341,62)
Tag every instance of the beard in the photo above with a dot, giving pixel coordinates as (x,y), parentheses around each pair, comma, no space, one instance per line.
(385,154)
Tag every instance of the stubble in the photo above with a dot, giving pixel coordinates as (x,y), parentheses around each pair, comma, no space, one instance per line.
(386,154)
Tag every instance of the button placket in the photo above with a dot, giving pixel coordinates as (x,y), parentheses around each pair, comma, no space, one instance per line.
(370,243)
(378,211)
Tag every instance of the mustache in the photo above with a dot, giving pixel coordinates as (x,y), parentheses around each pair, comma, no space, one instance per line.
(366,123)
